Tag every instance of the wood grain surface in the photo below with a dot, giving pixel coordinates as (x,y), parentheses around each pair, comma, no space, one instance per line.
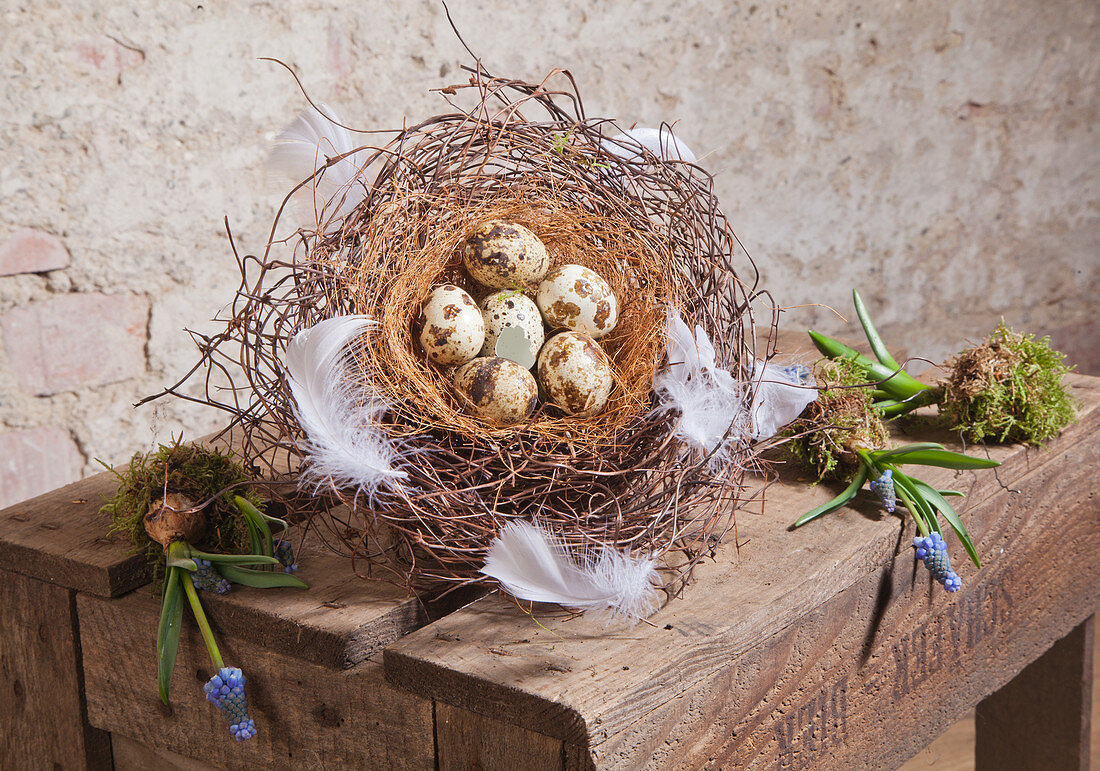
(306,715)
(1040,719)
(798,643)
(60,538)
(42,715)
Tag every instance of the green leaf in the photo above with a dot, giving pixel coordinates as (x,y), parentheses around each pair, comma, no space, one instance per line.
(898,383)
(915,502)
(877,346)
(952,518)
(945,493)
(168,631)
(848,494)
(260,579)
(887,454)
(235,559)
(942,459)
(255,520)
(183,563)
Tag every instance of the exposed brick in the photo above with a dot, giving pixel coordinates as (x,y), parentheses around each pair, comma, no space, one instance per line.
(77,340)
(32,251)
(36,461)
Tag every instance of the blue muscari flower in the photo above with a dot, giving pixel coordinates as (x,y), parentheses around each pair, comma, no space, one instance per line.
(932,549)
(284,552)
(798,373)
(884,488)
(226,691)
(208,578)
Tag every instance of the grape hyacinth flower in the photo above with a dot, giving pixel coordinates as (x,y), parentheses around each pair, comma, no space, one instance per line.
(284,552)
(932,549)
(884,488)
(208,578)
(226,691)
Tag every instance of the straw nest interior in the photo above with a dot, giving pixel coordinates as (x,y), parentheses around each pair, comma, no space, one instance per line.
(401,258)
(523,153)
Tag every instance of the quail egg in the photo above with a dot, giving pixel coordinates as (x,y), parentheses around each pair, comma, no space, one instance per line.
(577,298)
(503,255)
(575,373)
(511,309)
(498,390)
(454,329)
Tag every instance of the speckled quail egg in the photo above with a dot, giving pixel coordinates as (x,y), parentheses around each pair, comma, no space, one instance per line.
(454,329)
(577,298)
(503,255)
(575,373)
(511,309)
(498,390)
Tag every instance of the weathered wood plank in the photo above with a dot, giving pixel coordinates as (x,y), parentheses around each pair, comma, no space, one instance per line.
(59,537)
(466,741)
(587,685)
(129,755)
(1041,718)
(874,674)
(42,714)
(338,622)
(306,715)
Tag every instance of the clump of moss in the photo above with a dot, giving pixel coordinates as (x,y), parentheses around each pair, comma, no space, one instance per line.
(192,472)
(1009,389)
(842,420)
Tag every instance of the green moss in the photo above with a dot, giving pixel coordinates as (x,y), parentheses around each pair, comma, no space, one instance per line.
(825,437)
(1009,389)
(195,472)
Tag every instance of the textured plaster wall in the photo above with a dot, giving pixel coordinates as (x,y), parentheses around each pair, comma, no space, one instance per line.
(943,157)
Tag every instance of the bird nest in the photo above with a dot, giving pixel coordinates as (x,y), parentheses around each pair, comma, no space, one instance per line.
(525,153)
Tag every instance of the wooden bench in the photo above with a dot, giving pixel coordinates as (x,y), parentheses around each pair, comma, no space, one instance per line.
(826,647)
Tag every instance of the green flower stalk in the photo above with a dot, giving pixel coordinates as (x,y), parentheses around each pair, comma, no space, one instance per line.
(924,503)
(168,483)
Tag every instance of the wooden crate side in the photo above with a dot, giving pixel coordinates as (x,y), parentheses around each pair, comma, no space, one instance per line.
(1041,718)
(873,675)
(129,755)
(582,682)
(43,722)
(306,715)
(467,741)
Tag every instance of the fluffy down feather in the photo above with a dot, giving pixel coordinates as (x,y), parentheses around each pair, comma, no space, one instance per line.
(707,397)
(661,142)
(344,447)
(532,565)
(306,145)
(782,392)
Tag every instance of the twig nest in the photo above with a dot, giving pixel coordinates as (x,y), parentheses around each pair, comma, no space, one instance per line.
(175,518)
(454,329)
(497,389)
(577,298)
(503,255)
(511,309)
(576,373)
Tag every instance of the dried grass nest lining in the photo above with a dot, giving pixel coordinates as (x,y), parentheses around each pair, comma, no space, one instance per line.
(652,229)
(400,258)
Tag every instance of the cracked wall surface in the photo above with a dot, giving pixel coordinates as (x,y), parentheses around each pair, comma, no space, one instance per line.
(941,157)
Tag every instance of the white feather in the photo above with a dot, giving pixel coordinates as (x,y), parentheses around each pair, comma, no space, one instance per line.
(781,395)
(306,145)
(710,401)
(344,448)
(532,565)
(661,142)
